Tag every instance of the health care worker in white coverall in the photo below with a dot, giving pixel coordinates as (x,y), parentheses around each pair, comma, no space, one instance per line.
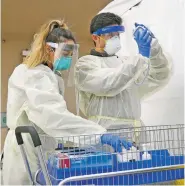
(111,87)
(35,97)
(163,17)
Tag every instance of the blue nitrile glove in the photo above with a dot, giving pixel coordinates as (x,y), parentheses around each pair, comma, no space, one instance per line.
(60,146)
(143,40)
(151,34)
(116,142)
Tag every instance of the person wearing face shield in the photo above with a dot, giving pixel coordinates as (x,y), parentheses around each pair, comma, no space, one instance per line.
(109,88)
(35,98)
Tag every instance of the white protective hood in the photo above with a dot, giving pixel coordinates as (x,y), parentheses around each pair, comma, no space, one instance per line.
(165,19)
(119,7)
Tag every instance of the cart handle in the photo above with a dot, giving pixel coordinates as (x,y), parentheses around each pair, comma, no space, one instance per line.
(27,129)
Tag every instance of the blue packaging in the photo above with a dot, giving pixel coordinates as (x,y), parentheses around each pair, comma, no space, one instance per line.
(93,160)
(82,160)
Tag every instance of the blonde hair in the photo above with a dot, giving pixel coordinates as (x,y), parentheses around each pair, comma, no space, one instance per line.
(39,53)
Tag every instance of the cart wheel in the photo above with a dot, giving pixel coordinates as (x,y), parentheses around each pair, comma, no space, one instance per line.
(179,182)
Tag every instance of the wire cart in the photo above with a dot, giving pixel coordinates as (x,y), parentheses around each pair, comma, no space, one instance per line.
(158,158)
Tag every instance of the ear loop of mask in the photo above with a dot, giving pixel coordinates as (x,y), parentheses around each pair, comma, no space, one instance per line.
(52,49)
(49,63)
(102,39)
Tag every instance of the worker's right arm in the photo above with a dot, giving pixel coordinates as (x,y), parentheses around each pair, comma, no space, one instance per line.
(91,78)
(47,109)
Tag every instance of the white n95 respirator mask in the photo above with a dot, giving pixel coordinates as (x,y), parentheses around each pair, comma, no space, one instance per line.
(113,45)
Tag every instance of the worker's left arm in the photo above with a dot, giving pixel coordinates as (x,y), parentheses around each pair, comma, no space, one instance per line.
(159,72)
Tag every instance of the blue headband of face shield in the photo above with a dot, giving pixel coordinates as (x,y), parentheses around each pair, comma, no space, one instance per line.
(109,29)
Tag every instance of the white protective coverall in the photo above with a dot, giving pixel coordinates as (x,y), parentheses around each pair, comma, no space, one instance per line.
(165,19)
(108,93)
(34,99)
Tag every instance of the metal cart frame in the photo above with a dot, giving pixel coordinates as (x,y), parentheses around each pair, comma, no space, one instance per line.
(37,144)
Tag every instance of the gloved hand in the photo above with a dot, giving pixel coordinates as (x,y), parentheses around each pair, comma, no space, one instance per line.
(151,34)
(116,142)
(143,39)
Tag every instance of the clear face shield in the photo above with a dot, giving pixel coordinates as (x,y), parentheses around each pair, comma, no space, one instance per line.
(65,58)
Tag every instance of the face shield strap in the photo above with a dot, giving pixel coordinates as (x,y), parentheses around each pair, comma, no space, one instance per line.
(53,45)
(109,29)
(65,47)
